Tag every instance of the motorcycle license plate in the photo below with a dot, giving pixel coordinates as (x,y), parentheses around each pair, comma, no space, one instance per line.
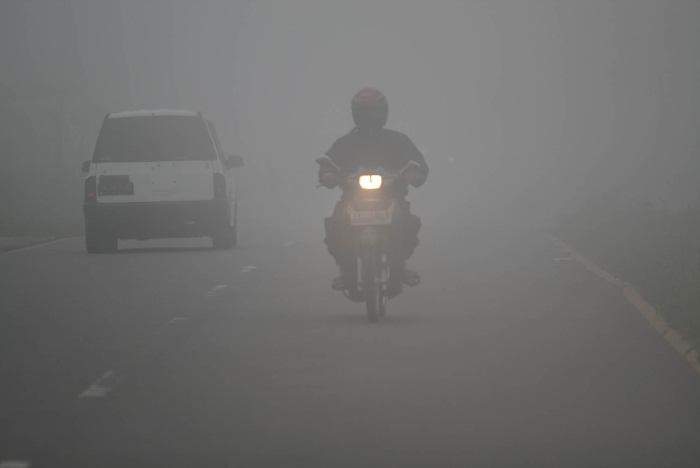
(370,217)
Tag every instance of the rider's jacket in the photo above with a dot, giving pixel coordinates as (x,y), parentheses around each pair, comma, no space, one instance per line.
(387,149)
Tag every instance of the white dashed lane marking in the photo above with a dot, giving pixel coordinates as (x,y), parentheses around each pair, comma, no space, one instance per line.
(248,269)
(176,320)
(102,386)
(216,290)
(172,322)
(15,464)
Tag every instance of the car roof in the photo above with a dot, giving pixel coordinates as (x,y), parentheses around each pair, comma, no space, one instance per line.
(154,113)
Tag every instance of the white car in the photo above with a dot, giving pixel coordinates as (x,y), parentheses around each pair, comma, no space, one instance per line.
(156,174)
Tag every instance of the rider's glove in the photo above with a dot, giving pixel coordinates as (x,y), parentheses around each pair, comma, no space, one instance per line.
(329,179)
(413,176)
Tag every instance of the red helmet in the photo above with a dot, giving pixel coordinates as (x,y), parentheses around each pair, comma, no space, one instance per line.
(370,109)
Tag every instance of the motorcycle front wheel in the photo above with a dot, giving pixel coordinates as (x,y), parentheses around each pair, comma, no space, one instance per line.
(376,306)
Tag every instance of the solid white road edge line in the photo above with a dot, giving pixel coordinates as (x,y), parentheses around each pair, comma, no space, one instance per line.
(38,246)
(674,339)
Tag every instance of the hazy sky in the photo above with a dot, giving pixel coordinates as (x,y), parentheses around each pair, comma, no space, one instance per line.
(521,106)
(515,103)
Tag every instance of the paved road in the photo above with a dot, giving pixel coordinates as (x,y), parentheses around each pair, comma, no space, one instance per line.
(169,354)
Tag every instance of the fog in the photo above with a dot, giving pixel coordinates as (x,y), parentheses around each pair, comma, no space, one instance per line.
(563,194)
(523,109)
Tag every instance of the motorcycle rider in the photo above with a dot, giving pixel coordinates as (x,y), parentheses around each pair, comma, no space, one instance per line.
(369,144)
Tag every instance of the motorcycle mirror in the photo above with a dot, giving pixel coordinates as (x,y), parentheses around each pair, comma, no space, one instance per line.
(410,165)
(325,161)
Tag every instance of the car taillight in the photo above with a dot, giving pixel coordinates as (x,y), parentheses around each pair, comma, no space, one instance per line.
(91,189)
(219,186)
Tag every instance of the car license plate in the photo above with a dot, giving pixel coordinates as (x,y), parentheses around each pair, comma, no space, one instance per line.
(370,217)
(115,185)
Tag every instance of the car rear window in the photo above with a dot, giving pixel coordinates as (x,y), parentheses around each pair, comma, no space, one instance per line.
(154,138)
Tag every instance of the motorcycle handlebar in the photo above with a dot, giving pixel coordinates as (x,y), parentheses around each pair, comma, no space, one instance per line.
(331,175)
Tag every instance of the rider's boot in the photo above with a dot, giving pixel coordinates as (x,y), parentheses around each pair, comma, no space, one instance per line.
(410,278)
(344,280)
(402,276)
(395,284)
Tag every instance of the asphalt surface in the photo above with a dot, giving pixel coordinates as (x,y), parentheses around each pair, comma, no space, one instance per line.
(170,354)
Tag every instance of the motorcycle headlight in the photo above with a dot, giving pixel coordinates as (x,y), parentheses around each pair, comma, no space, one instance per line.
(370,181)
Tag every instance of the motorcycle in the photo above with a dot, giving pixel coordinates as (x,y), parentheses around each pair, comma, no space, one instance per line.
(369,207)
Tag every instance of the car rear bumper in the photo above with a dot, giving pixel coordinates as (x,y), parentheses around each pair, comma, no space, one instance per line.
(162,219)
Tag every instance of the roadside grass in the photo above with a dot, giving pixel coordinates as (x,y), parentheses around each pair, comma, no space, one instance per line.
(656,250)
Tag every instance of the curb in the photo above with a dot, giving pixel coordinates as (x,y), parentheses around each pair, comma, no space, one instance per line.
(674,339)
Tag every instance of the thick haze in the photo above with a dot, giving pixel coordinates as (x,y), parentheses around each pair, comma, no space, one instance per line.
(573,118)
(524,109)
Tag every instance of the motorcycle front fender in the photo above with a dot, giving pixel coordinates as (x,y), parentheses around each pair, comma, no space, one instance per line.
(368,237)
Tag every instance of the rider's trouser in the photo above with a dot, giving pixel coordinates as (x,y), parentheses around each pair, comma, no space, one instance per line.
(402,242)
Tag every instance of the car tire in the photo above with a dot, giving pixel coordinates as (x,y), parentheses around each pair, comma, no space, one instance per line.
(97,241)
(224,238)
(111,243)
(93,243)
(234,235)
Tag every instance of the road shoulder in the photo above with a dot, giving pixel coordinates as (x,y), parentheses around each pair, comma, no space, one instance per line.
(674,339)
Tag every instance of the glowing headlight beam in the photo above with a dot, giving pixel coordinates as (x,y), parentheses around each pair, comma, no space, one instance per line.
(370,181)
